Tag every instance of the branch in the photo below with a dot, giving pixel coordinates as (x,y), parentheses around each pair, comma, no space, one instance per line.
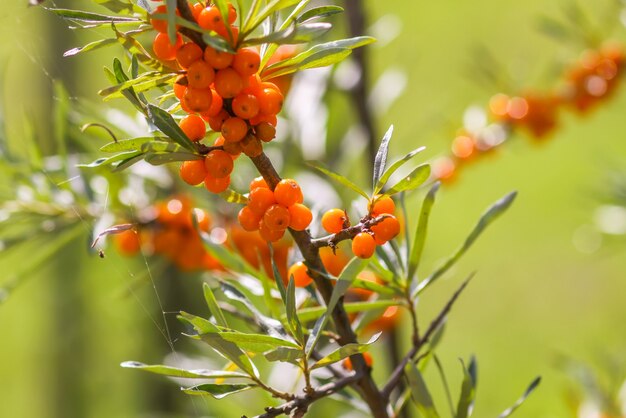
(348,233)
(301,403)
(397,373)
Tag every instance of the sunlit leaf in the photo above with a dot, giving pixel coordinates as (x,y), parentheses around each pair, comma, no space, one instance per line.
(217,391)
(465,405)
(89,17)
(166,123)
(214,308)
(287,355)
(420,233)
(416,178)
(189,374)
(230,350)
(232,196)
(344,352)
(90,46)
(319,12)
(290,309)
(533,385)
(381,156)
(309,314)
(338,178)
(394,167)
(128,144)
(421,396)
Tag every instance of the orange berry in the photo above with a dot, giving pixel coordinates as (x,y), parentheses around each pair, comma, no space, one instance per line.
(210,18)
(265,131)
(270,100)
(387,320)
(288,192)
(197,100)
(277,217)
(196,8)
(234,129)
(333,220)
(335,261)
(218,59)
(228,83)
(248,219)
(245,106)
(386,229)
(251,146)
(180,87)
(347,363)
(301,217)
(232,148)
(160,25)
(219,164)
(127,242)
(260,118)
(363,245)
(216,185)
(200,75)
(187,54)
(382,204)
(232,14)
(300,275)
(247,61)
(193,126)
(163,49)
(463,146)
(260,199)
(215,122)
(268,234)
(216,106)
(258,182)
(193,172)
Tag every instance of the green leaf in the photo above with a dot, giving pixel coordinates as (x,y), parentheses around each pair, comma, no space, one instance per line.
(267,50)
(286,355)
(200,325)
(533,385)
(218,391)
(170,157)
(166,123)
(272,7)
(255,343)
(88,17)
(90,46)
(109,160)
(345,351)
(171,20)
(232,196)
(421,396)
(231,351)
(394,167)
(292,316)
(122,165)
(412,181)
(381,156)
(422,228)
(309,314)
(146,81)
(218,43)
(468,390)
(319,12)
(338,178)
(383,289)
(214,308)
(487,218)
(132,144)
(189,374)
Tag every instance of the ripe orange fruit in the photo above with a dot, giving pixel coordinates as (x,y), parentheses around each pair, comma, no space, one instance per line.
(385,230)
(215,122)
(288,192)
(333,220)
(127,242)
(347,363)
(245,105)
(300,275)
(200,75)
(193,172)
(163,49)
(193,126)
(219,164)
(265,131)
(251,146)
(187,54)
(382,204)
(301,217)
(277,217)
(334,262)
(228,83)
(218,59)
(234,129)
(216,185)
(247,61)
(260,199)
(363,245)
(248,219)
(270,100)
(258,182)
(210,18)
(271,235)
(197,100)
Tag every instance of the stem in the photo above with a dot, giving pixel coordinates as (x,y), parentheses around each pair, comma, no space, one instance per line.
(348,233)
(368,389)
(185,13)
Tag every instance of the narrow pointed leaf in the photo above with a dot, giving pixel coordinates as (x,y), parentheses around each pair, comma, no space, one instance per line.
(214,308)
(232,196)
(533,385)
(284,354)
(381,156)
(344,352)
(89,17)
(422,228)
(465,405)
(309,314)
(338,178)
(231,351)
(394,167)
(188,374)
(412,181)
(292,316)
(132,144)
(319,12)
(90,47)
(420,394)
(200,325)
(166,123)
(255,343)
(318,59)
(218,391)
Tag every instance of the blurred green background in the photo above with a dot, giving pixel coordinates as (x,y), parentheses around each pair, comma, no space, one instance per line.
(545,286)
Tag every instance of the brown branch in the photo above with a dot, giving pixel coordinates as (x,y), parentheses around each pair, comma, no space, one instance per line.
(397,373)
(185,13)
(348,233)
(301,403)
(366,385)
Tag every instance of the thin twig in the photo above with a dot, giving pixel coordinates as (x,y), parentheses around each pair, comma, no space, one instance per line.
(348,233)
(397,373)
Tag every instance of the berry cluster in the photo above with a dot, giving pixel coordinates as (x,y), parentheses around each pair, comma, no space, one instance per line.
(272,212)
(256,252)
(381,230)
(223,89)
(171,234)
(592,79)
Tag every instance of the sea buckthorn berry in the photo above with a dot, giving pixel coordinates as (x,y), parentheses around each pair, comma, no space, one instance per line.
(277,217)
(388,320)
(334,220)
(258,182)
(160,25)
(300,275)
(271,235)
(228,83)
(216,122)
(248,219)
(260,199)
(247,61)
(347,363)
(196,8)
(301,217)
(270,100)
(382,204)
(193,172)
(234,129)
(218,59)
(163,49)
(363,245)
(200,75)
(216,185)
(288,192)
(219,164)
(197,100)
(187,54)
(233,148)
(334,260)
(260,118)
(210,18)
(193,126)
(232,14)
(245,106)
(265,131)
(216,106)
(251,146)
(180,87)
(127,242)
(386,229)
